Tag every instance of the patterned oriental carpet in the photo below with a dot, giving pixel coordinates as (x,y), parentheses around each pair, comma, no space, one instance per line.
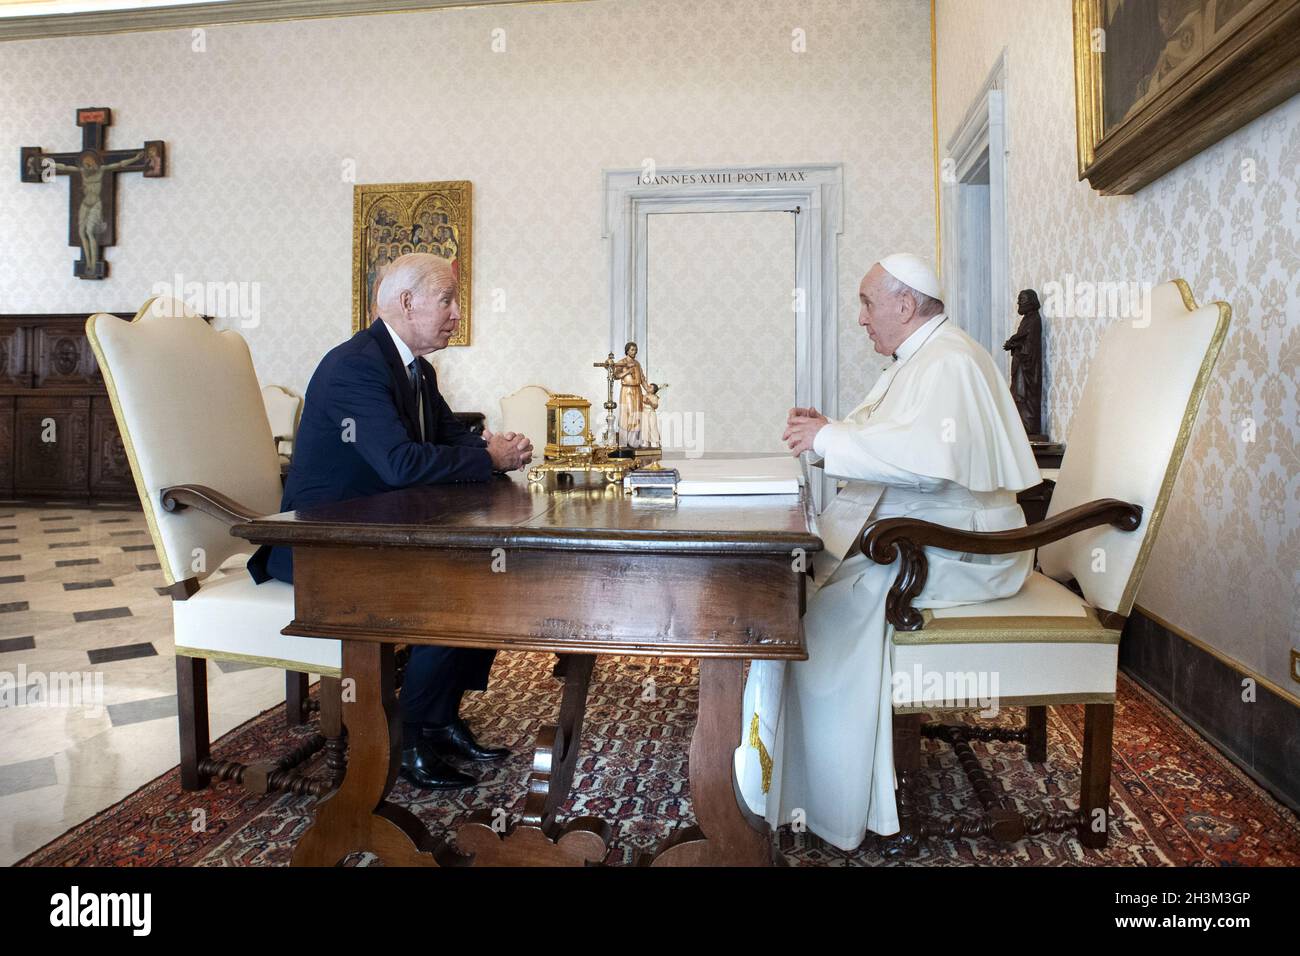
(1177,801)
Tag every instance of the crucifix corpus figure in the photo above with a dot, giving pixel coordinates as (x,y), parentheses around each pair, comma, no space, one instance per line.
(92,172)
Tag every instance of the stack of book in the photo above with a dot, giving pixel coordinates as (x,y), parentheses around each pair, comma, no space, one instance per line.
(651,482)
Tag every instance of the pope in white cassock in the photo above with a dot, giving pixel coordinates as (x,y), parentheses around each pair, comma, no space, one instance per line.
(938,438)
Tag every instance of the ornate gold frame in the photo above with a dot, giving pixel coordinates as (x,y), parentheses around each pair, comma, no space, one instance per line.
(454,197)
(1248,70)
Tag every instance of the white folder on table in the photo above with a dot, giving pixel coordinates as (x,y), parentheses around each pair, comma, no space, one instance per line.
(739,476)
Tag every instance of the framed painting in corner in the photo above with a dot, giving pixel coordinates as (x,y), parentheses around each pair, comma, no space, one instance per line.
(392,219)
(1157,81)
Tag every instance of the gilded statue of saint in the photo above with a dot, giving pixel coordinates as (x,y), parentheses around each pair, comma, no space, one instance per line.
(628,371)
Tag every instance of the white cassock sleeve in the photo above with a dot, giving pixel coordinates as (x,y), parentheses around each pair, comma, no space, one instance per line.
(845,457)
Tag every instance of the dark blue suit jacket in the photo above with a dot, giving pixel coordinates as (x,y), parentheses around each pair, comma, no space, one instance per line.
(360,435)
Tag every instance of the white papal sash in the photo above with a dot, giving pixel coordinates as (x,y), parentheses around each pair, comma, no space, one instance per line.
(840,526)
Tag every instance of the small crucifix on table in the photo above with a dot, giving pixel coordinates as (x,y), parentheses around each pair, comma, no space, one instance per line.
(92,171)
(609,437)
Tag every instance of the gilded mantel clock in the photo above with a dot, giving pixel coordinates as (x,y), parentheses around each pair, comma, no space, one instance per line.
(570,446)
(568,426)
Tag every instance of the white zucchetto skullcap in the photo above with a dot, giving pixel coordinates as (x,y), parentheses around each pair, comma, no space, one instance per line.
(913,271)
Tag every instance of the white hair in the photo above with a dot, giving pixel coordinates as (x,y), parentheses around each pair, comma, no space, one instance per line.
(416,272)
(926,305)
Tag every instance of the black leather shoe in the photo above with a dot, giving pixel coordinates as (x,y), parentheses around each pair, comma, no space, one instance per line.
(423,768)
(456,740)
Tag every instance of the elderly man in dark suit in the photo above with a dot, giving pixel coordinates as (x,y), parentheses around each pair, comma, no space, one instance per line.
(374,421)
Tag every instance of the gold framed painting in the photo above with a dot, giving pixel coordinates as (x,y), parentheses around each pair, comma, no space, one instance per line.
(1157,81)
(392,219)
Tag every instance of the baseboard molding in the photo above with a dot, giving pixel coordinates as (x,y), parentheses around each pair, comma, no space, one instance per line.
(1236,665)
(1262,737)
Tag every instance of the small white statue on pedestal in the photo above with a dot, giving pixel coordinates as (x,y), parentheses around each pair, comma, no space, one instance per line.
(650,416)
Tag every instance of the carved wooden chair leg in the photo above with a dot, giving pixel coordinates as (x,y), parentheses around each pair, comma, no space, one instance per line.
(907,765)
(331,728)
(999,820)
(1094,791)
(192,716)
(295,698)
(199,769)
(1036,734)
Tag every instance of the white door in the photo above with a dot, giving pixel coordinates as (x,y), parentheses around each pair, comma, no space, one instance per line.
(721,328)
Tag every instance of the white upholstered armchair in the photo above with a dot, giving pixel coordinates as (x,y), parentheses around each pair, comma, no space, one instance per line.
(196,435)
(283,409)
(1057,641)
(524,412)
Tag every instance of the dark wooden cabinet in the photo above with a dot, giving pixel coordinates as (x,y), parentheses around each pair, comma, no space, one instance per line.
(6,446)
(51,446)
(13,358)
(110,471)
(62,357)
(58,437)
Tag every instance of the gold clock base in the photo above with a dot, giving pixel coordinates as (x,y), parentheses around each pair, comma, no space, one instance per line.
(598,461)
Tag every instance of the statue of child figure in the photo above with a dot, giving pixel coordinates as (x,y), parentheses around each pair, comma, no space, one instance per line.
(650,415)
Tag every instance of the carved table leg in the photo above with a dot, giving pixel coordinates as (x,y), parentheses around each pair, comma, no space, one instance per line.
(357,817)
(726,833)
(575,671)
(537,839)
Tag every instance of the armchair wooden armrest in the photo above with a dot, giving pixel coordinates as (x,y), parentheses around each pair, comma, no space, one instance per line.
(206,500)
(905,540)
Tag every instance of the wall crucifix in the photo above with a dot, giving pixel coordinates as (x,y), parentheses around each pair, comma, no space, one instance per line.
(92,172)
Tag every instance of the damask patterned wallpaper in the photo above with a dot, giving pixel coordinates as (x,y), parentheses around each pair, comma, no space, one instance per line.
(266,123)
(1227,566)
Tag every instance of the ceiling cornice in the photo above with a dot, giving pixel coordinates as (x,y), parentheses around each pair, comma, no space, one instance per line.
(211,14)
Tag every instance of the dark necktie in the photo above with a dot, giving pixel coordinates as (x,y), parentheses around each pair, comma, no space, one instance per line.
(414,370)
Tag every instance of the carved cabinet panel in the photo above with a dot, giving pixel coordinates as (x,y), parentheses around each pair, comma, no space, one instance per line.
(63,358)
(6,446)
(14,371)
(110,471)
(51,445)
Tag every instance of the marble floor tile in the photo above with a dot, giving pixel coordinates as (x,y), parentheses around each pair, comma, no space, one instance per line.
(122,652)
(92,732)
(135,711)
(27,775)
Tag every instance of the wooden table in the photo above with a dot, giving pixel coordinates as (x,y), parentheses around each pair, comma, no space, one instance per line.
(577,571)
